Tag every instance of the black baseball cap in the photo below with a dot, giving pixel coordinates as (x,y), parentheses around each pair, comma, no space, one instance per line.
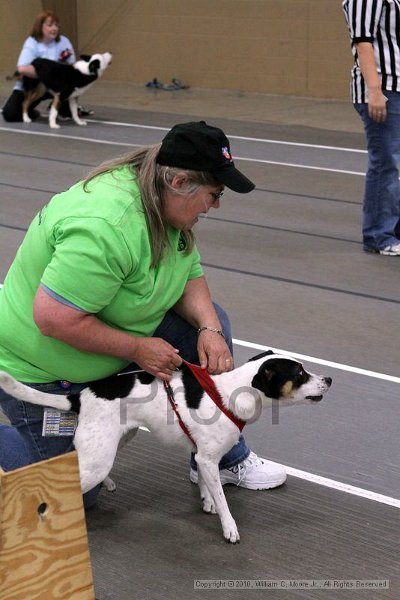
(200,147)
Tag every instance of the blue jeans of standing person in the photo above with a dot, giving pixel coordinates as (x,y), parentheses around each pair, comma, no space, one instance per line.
(381,209)
(22,443)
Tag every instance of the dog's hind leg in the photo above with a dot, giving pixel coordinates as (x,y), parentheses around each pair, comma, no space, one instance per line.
(55,105)
(29,98)
(210,474)
(25,107)
(73,105)
(96,453)
(108,482)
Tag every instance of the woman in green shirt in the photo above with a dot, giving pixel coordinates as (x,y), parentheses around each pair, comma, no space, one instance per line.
(109,275)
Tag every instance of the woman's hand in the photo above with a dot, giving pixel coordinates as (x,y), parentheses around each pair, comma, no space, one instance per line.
(157,357)
(214,353)
(377,105)
(376,99)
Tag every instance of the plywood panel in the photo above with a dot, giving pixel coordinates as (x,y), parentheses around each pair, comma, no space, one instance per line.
(44,552)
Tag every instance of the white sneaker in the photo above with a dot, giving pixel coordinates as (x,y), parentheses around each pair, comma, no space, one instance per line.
(393,250)
(253,473)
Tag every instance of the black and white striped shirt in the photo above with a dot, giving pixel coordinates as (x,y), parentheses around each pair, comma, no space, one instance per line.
(377,22)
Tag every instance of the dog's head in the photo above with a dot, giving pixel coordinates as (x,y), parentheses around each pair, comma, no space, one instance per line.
(94,64)
(285,379)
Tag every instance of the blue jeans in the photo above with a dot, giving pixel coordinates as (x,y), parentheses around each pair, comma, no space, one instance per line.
(381,208)
(22,443)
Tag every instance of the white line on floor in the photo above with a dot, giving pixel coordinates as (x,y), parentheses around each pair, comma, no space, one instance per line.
(69,137)
(335,485)
(254,160)
(343,487)
(238,137)
(320,361)
(299,166)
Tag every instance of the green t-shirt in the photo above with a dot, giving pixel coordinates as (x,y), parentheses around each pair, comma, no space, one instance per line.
(92,249)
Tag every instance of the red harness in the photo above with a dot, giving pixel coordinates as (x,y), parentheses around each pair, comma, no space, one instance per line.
(208,386)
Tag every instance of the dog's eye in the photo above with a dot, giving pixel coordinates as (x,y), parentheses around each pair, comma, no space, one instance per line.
(301,376)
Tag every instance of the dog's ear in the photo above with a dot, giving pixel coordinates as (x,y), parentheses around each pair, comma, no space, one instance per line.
(263,380)
(86,57)
(267,353)
(94,66)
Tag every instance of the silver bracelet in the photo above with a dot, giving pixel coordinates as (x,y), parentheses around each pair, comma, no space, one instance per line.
(214,329)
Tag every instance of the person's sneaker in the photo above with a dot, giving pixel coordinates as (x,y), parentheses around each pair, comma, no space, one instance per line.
(84,112)
(34,114)
(253,473)
(393,250)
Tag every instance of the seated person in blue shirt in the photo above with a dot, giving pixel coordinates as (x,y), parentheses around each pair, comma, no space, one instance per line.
(45,41)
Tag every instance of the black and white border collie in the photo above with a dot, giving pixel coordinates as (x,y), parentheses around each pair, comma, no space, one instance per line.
(114,408)
(63,82)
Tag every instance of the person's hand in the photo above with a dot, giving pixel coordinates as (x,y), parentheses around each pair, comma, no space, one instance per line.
(157,357)
(214,353)
(377,105)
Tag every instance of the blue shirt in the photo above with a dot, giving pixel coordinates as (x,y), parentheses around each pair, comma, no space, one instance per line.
(52,50)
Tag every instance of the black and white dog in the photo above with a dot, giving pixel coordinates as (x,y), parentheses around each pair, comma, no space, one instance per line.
(63,82)
(111,408)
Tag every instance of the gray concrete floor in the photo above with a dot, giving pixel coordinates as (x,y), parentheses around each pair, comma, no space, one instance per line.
(287,264)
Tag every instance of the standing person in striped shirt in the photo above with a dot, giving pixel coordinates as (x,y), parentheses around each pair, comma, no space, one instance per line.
(374,27)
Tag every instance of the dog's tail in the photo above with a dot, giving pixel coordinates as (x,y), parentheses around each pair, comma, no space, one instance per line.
(27,394)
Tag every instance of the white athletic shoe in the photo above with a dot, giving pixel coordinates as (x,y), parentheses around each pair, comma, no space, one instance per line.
(253,473)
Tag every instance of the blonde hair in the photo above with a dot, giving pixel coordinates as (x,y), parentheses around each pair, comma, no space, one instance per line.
(153,180)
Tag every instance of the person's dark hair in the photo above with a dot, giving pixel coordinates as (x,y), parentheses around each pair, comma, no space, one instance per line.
(36,31)
(153,180)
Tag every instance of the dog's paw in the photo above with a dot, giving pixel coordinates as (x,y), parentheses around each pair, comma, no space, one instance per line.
(81,122)
(55,126)
(208,506)
(109,484)
(231,533)
(26,119)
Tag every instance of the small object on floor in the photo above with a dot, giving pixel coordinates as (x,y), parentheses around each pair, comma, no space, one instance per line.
(154,84)
(179,85)
(85,112)
(175,84)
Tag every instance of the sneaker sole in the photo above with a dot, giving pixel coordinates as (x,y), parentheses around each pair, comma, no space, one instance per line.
(258,487)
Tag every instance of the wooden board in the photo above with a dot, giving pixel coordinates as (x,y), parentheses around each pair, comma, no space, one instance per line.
(44,553)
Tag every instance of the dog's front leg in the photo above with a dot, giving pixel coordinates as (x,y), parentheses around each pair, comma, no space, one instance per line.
(210,474)
(208,502)
(55,105)
(73,105)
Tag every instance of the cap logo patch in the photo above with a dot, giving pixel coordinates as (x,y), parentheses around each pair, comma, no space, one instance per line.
(226,154)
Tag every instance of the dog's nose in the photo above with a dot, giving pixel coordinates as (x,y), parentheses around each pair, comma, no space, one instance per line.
(328,381)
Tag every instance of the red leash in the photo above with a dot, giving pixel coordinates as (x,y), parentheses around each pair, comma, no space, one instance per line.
(208,385)
(171,398)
